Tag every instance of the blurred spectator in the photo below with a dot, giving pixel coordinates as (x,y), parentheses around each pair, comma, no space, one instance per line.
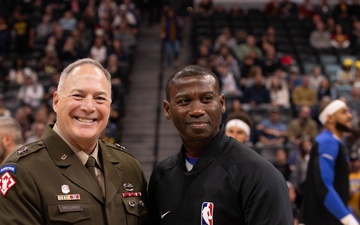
(302,126)
(126,36)
(356,82)
(24,32)
(299,166)
(19,71)
(281,163)
(249,48)
(118,81)
(31,92)
(316,77)
(294,78)
(229,86)
(106,10)
(98,50)
(306,9)
(171,34)
(44,28)
(323,10)
(320,37)
(355,36)
(354,179)
(86,35)
(225,38)
(69,52)
(355,9)
(235,12)
(37,129)
(270,61)
(273,8)
(227,59)
(339,39)
(272,131)
(292,197)
(123,15)
(346,73)
(279,92)
(24,115)
(269,37)
(288,9)
(11,137)
(4,111)
(326,90)
(341,11)
(257,93)
(50,62)
(68,21)
(303,94)
(89,14)
(205,7)
(5,37)
(51,87)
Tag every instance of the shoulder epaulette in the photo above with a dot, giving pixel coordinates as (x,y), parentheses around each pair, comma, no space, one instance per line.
(26,150)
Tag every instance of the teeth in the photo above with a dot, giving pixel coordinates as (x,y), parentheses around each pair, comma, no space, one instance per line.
(85,120)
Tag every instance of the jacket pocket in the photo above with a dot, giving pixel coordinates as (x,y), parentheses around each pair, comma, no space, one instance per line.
(69,213)
(135,206)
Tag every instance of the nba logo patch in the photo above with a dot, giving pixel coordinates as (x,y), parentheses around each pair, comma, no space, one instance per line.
(207,209)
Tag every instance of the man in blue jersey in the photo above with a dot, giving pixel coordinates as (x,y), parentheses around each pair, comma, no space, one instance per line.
(326,191)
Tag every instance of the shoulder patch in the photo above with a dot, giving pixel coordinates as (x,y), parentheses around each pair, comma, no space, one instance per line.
(8,168)
(26,150)
(6,182)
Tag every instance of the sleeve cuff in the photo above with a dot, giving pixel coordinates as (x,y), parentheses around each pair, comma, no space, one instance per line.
(349,220)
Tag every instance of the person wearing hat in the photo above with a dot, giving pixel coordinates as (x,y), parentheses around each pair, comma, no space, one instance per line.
(326,187)
(346,73)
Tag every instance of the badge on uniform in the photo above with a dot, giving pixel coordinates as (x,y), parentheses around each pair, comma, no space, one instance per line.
(6,182)
(207,209)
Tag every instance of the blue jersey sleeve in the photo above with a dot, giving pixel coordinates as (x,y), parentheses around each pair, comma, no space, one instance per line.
(328,152)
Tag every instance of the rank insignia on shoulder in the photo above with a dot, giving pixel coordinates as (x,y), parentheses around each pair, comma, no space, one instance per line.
(6,168)
(6,182)
(21,151)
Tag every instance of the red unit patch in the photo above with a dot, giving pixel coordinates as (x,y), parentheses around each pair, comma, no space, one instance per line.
(6,182)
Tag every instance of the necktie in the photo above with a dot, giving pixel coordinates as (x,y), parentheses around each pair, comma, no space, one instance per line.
(90,165)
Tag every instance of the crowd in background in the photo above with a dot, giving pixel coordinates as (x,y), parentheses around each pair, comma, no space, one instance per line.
(40,38)
(262,79)
(257,75)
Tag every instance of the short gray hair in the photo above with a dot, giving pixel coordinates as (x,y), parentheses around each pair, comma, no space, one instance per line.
(9,125)
(79,62)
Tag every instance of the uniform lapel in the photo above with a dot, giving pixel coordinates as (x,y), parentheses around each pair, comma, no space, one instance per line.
(112,172)
(70,164)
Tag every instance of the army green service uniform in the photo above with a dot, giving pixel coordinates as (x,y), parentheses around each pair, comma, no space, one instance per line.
(45,183)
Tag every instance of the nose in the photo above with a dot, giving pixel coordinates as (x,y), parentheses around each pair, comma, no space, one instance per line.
(88,104)
(196,109)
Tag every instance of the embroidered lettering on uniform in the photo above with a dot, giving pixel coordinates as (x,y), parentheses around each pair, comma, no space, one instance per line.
(10,168)
(328,156)
(207,209)
(68,197)
(131,194)
(65,189)
(71,208)
(6,182)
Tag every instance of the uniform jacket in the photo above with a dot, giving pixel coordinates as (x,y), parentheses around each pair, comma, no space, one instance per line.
(229,184)
(44,182)
(326,190)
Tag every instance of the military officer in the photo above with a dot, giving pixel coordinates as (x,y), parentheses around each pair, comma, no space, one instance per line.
(69,176)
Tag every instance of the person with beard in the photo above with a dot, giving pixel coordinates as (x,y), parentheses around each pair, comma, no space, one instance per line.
(326,188)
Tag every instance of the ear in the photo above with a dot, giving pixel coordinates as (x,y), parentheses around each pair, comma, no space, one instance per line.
(166,109)
(55,101)
(222,102)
